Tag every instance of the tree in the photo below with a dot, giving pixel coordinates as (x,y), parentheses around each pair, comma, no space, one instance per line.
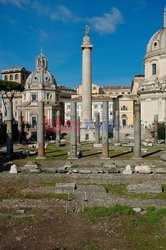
(8,89)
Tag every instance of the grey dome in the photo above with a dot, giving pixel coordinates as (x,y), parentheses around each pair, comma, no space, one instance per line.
(41,75)
(158,41)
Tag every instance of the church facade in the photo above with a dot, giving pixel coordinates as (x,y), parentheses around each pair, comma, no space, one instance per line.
(40,86)
(152,89)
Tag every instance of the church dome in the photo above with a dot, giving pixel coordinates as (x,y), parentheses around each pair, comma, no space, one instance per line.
(157,43)
(41,75)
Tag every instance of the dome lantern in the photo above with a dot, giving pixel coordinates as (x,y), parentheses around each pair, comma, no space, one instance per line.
(41,76)
(41,62)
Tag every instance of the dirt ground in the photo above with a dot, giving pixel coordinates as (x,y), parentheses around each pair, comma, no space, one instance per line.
(34,216)
(53,229)
(58,223)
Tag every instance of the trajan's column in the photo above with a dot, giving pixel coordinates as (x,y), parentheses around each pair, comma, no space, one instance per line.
(86,86)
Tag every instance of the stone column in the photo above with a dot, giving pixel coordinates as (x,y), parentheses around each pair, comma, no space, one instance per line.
(156,129)
(137,130)
(1,119)
(165,128)
(73,132)
(97,127)
(9,122)
(86,77)
(116,120)
(105,139)
(58,127)
(117,126)
(20,125)
(78,130)
(40,131)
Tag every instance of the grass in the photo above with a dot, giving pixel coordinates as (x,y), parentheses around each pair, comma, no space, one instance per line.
(152,216)
(99,212)
(155,216)
(53,152)
(49,183)
(75,166)
(65,197)
(5,217)
(121,190)
(92,247)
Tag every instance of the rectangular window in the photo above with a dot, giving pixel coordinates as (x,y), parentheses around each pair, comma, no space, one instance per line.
(154,69)
(34,97)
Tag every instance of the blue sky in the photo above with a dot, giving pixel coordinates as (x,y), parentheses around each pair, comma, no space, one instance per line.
(120,31)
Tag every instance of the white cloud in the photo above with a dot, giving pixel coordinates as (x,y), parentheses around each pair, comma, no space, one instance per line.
(43,35)
(41,9)
(108,22)
(62,14)
(18,3)
(102,24)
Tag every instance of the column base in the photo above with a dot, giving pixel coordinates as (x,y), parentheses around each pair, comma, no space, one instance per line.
(137,158)
(105,158)
(72,158)
(40,157)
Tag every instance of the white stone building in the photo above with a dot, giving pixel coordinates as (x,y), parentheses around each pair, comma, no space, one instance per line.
(97,106)
(153,88)
(40,86)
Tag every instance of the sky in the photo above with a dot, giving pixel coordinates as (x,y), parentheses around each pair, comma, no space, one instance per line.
(119,31)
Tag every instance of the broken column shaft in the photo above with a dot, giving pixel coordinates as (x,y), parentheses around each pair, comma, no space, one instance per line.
(20,125)
(156,129)
(137,130)
(97,127)
(73,131)
(105,125)
(58,127)
(9,131)
(40,131)
(78,130)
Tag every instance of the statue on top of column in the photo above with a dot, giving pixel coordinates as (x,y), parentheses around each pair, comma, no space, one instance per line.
(87,30)
(86,39)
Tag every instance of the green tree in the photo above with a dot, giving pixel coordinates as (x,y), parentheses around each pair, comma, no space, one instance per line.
(8,89)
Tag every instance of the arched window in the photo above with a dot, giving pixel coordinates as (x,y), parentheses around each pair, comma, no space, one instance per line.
(154,69)
(11,77)
(124,108)
(124,121)
(16,76)
(5,77)
(34,122)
